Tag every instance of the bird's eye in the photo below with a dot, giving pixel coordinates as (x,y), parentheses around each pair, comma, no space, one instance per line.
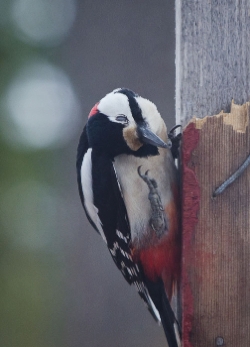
(122,118)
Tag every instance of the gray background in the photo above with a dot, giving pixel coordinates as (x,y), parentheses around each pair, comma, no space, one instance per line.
(59,285)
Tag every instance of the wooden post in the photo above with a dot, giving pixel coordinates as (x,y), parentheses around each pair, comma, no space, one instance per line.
(213,68)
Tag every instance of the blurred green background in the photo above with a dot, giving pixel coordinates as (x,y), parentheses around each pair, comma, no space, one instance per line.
(58,284)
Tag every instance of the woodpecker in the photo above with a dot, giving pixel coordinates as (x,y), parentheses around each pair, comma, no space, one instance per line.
(128,187)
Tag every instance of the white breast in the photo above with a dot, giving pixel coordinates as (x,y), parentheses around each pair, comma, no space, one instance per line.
(135,190)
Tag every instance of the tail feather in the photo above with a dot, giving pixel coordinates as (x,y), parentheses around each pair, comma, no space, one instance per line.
(169,323)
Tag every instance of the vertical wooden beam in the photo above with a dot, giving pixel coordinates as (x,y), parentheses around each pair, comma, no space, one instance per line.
(212,56)
(213,67)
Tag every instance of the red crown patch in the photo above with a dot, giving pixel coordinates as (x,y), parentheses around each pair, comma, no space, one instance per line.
(94,110)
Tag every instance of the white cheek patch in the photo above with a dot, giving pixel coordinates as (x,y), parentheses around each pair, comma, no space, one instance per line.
(86,181)
(151,115)
(114,104)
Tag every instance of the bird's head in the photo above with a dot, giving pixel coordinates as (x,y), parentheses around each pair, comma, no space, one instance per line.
(125,123)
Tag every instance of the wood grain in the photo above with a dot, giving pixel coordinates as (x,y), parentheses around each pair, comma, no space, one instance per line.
(212,56)
(212,69)
(216,232)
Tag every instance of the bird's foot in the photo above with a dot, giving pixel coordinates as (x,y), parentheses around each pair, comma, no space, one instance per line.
(175,139)
(157,221)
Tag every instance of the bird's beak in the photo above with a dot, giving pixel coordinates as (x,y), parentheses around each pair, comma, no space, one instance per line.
(147,136)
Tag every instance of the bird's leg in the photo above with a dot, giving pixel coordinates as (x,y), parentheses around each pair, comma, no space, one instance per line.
(157,221)
(175,139)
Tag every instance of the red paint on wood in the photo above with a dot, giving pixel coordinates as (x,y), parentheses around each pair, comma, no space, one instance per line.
(190,207)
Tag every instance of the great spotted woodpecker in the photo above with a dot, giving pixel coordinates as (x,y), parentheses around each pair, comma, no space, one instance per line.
(128,187)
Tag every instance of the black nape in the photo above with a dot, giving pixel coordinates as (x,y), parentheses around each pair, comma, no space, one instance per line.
(133,104)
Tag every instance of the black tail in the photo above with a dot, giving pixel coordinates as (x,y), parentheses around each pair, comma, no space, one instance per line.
(170,323)
(168,319)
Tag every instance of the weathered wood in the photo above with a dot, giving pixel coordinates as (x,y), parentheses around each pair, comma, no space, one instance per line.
(216,232)
(213,67)
(212,56)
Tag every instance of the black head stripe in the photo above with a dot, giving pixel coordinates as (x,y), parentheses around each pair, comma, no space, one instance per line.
(135,109)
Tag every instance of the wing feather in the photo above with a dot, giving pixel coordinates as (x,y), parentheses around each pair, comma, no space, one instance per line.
(82,149)
(108,207)
(132,272)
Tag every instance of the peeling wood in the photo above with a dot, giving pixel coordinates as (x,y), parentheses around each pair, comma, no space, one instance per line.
(238,117)
(212,69)
(216,252)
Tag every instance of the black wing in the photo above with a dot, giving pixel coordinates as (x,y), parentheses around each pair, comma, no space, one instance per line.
(112,212)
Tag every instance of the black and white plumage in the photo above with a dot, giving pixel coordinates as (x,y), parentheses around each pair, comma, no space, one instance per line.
(123,132)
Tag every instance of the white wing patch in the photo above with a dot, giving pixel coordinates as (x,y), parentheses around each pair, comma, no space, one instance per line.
(131,270)
(86,181)
(121,236)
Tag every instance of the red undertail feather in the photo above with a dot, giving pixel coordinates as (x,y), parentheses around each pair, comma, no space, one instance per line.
(161,257)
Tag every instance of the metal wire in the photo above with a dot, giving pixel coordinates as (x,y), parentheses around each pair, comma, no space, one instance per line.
(232,178)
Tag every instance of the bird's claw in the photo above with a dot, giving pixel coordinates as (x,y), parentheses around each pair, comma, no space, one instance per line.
(157,220)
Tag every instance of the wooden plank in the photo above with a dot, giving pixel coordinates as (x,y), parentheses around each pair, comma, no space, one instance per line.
(212,56)
(216,232)
(212,68)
